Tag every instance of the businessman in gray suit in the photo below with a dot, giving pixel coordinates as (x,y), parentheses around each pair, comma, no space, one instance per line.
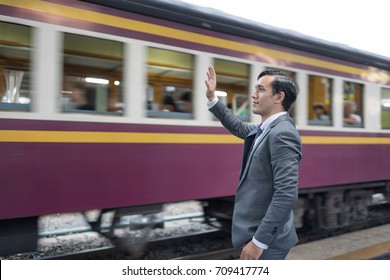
(263,223)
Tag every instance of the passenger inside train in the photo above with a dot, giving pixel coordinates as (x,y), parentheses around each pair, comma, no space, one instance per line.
(80,98)
(350,117)
(320,113)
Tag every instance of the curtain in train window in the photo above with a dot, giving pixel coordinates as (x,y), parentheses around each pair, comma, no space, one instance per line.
(93,69)
(15,64)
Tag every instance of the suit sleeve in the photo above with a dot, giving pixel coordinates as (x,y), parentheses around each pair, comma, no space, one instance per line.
(230,121)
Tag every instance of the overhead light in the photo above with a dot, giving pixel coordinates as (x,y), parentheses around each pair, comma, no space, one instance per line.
(220,93)
(117,83)
(170,88)
(96,81)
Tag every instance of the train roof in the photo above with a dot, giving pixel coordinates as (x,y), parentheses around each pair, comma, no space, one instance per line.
(216,20)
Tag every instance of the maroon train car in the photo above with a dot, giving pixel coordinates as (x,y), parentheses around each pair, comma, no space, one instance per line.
(112,114)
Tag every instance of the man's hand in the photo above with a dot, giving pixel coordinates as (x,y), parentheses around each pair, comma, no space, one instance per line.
(211,83)
(251,252)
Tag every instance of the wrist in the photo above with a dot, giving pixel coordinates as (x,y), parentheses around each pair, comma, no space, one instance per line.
(212,102)
(212,98)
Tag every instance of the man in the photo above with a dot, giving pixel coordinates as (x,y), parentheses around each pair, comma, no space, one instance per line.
(80,98)
(350,118)
(263,223)
(319,112)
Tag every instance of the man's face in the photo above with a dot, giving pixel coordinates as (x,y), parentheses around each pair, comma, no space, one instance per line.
(263,100)
(348,110)
(77,94)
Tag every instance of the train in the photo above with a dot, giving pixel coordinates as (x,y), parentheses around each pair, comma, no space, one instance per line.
(103,107)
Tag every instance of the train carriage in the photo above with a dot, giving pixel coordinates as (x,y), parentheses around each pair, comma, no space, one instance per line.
(103,107)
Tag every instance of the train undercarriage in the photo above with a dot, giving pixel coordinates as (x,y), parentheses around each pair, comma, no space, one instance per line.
(322,212)
(319,213)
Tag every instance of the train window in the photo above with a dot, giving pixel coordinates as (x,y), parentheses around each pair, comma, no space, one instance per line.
(320,101)
(93,70)
(293,76)
(15,49)
(385,108)
(170,79)
(353,104)
(232,82)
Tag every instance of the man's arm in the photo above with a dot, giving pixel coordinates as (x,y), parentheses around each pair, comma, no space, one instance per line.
(230,121)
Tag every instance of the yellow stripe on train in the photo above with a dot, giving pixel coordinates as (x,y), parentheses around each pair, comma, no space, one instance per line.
(114,137)
(37,136)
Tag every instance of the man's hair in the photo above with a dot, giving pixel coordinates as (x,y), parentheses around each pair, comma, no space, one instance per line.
(282,82)
(79,85)
(318,106)
(351,103)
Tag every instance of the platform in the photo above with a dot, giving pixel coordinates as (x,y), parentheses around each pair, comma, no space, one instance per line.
(363,244)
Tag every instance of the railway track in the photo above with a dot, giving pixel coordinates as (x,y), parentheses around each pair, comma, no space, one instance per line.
(105,227)
(318,234)
(211,244)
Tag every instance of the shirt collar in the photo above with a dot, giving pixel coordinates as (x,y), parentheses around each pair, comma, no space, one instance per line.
(268,121)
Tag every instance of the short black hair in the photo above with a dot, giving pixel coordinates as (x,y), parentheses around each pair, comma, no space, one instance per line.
(282,82)
(186,96)
(318,106)
(168,100)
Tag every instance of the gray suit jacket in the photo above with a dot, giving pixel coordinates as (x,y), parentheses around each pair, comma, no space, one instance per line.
(268,186)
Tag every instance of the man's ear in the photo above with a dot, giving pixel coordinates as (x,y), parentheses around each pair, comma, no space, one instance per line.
(280,97)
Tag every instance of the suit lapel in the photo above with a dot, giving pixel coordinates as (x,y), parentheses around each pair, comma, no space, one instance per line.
(249,155)
(247,148)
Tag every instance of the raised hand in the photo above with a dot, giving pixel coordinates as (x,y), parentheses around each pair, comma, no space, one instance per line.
(211,83)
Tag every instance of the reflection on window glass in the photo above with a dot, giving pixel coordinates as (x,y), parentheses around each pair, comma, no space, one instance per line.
(385,108)
(15,51)
(170,79)
(353,104)
(92,75)
(320,101)
(232,86)
(293,76)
